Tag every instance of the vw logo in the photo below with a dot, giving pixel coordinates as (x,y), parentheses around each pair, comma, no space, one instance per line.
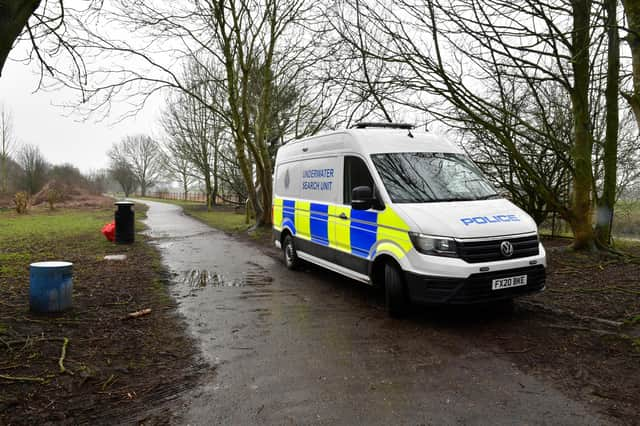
(506,248)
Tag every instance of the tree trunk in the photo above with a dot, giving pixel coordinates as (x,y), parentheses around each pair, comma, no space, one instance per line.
(581,217)
(267,194)
(607,201)
(215,174)
(4,183)
(207,189)
(14,15)
(185,187)
(632,12)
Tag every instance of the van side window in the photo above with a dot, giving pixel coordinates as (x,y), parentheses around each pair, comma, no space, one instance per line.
(356,174)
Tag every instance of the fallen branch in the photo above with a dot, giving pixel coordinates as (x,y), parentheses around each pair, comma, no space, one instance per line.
(32,339)
(22,379)
(111,380)
(63,354)
(138,314)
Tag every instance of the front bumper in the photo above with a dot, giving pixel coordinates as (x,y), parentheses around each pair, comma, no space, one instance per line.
(474,289)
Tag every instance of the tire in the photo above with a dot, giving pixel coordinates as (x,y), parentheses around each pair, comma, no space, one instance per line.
(291,259)
(396,299)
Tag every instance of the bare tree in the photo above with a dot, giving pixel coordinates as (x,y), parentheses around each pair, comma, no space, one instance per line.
(121,171)
(47,27)
(245,48)
(606,202)
(632,12)
(6,146)
(468,53)
(97,181)
(195,133)
(549,159)
(34,167)
(178,167)
(143,155)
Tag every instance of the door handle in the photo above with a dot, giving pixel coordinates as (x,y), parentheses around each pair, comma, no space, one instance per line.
(343,216)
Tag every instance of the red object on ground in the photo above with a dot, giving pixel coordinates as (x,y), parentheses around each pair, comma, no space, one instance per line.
(109,231)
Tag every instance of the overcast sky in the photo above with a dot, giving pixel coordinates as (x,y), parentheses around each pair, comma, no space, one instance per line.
(61,138)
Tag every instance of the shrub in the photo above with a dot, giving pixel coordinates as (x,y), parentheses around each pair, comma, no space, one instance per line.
(53,196)
(21,200)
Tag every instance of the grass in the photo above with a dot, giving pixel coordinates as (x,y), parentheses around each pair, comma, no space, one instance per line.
(32,238)
(224,220)
(51,224)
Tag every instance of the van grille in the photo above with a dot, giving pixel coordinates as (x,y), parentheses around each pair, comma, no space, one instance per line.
(489,250)
(475,289)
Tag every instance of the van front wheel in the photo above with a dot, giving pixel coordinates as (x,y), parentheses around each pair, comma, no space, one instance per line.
(291,259)
(396,299)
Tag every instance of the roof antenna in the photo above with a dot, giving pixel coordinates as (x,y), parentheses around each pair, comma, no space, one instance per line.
(409,133)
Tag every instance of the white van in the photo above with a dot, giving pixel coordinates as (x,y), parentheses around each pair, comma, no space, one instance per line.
(409,211)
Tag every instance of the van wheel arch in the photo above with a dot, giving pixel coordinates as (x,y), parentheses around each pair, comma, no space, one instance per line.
(376,272)
(385,268)
(290,256)
(284,234)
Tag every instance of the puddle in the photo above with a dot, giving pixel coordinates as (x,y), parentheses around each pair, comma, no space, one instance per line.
(202,278)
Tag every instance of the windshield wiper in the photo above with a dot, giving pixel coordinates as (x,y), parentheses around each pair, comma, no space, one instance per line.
(486,197)
(440,200)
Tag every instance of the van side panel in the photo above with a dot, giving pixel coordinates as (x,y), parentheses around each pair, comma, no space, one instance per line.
(393,234)
(363,231)
(341,234)
(303,228)
(277,213)
(319,223)
(353,242)
(288,215)
(308,202)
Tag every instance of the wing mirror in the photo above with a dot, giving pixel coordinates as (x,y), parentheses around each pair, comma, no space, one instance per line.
(361,198)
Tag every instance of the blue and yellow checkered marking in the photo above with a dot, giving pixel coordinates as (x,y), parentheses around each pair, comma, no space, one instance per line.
(319,223)
(288,215)
(358,234)
(363,232)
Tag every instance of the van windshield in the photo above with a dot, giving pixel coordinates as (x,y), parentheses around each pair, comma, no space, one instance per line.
(422,177)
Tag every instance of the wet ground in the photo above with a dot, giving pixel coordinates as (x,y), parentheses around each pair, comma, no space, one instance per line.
(313,347)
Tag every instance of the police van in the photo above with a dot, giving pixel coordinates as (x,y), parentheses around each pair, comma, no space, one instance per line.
(405,210)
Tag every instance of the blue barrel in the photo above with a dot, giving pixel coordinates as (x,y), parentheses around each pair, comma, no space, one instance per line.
(51,285)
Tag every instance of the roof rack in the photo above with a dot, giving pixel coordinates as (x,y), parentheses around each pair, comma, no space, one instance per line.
(364,125)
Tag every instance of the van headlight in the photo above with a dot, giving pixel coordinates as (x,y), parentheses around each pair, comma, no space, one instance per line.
(435,246)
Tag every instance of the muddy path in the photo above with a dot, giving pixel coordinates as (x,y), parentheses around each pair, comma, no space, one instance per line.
(312,347)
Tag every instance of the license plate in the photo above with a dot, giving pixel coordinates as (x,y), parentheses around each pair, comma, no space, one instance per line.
(500,283)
